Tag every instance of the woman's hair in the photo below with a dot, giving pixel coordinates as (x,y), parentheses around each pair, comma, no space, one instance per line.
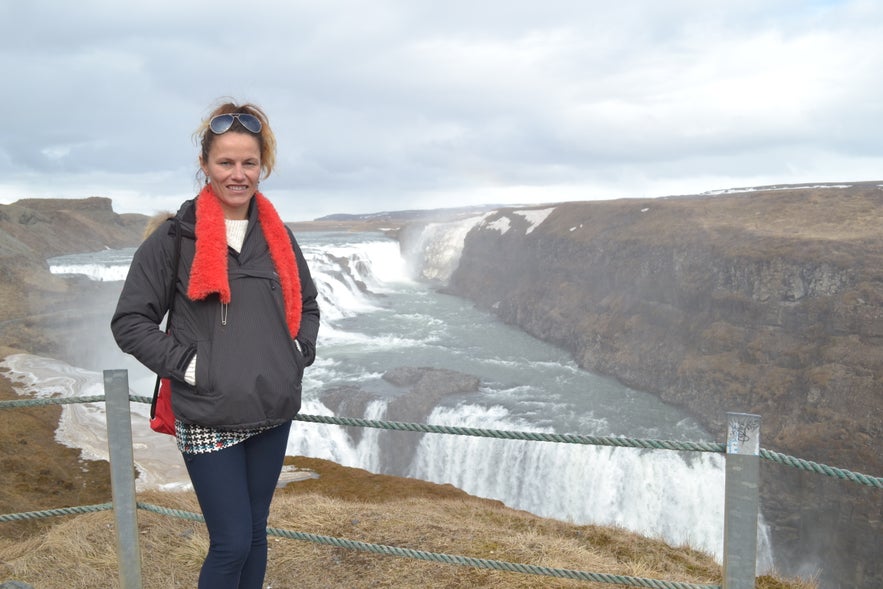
(266,138)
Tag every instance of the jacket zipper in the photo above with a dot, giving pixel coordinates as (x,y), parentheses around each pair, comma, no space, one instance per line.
(224,313)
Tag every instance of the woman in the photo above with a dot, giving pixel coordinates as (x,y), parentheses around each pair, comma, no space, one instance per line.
(243,328)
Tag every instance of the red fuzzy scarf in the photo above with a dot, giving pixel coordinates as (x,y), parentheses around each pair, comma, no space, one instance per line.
(209,272)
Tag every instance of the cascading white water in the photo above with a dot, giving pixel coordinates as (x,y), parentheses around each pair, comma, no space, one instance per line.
(376,317)
(435,252)
(632,488)
(105,266)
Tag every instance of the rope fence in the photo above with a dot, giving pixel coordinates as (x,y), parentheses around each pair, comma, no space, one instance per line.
(445,558)
(77,510)
(619,442)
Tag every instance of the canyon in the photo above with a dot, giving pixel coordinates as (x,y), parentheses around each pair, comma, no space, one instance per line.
(764,301)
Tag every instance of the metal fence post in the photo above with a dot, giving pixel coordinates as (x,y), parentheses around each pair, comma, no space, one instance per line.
(122,476)
(741,500)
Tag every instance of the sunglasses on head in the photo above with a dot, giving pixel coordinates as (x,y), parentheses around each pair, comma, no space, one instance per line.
(222,123)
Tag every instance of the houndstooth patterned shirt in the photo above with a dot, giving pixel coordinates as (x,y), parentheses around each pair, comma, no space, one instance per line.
(199,439)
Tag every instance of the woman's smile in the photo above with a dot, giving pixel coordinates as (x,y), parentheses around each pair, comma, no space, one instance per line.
(234,168)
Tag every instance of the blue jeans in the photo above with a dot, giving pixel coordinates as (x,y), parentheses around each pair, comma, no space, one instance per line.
(234,487)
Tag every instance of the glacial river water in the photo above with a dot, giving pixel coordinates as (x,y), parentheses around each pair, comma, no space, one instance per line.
(376,316)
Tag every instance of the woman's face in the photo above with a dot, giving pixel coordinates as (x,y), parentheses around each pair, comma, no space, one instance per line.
(234,168)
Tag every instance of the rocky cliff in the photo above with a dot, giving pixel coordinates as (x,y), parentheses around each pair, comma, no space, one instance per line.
(42,228)
(33,230)
(767,302)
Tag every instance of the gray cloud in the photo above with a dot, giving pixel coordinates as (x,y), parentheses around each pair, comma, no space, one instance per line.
(395,104)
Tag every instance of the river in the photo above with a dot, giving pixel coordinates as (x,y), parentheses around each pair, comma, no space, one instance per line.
(380,312)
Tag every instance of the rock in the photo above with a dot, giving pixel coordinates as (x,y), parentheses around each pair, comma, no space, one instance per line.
(767,302)
(42,228)
(420,389)
(427,386)
(33,230)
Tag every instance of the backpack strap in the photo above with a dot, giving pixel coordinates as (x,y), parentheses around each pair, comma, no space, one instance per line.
(175,265)
(172,290)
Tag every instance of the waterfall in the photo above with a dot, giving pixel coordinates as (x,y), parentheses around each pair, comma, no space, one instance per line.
(434,251)
(379,312)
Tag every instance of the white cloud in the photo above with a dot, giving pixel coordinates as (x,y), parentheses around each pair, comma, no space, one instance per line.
(395,104)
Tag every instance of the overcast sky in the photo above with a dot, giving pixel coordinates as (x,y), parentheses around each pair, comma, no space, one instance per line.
(394,104)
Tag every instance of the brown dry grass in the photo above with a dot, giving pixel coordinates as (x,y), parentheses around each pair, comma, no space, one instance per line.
(79,552)
(801,223)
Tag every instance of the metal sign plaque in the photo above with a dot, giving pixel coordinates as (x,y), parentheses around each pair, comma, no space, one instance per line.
(743,434)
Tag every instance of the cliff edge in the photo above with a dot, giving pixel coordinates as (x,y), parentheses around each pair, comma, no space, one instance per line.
(767,302)
(34,230)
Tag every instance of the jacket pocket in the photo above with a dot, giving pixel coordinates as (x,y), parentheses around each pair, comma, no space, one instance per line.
(204,372)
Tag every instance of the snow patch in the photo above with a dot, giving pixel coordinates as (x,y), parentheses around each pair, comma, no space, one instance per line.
(535,217)
(502,225)
(767,188)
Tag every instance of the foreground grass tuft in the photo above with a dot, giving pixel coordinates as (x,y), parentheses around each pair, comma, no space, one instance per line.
(79,552)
